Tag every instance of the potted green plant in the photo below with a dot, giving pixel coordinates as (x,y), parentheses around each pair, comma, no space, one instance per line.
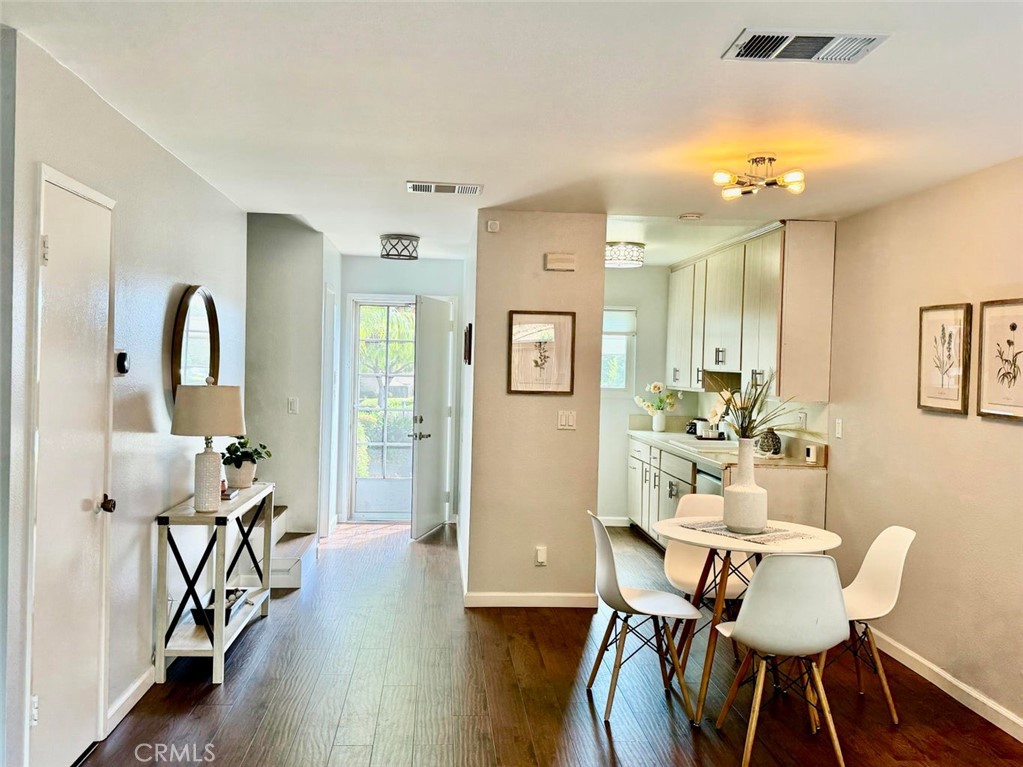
(240,461)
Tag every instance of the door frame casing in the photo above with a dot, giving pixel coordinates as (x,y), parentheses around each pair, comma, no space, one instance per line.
(49,175)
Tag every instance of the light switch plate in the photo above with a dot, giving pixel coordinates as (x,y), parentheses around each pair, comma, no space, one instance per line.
(566,420)
(293,405)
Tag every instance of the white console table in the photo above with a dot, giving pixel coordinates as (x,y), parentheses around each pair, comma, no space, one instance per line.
(212,639)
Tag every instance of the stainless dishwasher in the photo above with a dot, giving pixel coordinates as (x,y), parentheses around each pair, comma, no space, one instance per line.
(707,483)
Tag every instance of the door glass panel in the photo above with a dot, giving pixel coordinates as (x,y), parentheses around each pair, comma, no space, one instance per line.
(399,462)
(386,395)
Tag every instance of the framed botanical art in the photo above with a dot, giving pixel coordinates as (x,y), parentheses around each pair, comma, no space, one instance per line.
(943,363)
(541,352)
(1000,392)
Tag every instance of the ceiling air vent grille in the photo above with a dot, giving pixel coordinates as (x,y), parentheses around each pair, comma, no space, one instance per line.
(436,187)
(787,45)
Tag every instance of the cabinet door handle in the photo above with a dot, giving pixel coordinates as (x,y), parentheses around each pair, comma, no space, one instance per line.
(657,480)
(719,356)
(672,489)
(674,375)
(699,375)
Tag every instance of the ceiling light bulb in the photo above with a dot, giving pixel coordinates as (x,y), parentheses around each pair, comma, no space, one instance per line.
(795,176)
(722,178)
(797,187)
(731,193)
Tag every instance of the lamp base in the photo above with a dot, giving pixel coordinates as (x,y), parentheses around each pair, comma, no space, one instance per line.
(207,481)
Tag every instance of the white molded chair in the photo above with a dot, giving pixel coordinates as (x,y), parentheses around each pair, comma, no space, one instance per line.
(626,603)
(684,563)
(793,609)
(872,595)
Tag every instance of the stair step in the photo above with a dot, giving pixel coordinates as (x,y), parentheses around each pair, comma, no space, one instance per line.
(248,515)
(294,545)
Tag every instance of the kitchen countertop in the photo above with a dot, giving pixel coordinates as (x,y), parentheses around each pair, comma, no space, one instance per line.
(709,454)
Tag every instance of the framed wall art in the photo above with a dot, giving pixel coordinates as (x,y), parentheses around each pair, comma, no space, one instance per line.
(1000,391)
(943,364)
(541,352)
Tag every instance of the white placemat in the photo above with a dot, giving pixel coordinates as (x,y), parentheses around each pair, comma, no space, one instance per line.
(767,535)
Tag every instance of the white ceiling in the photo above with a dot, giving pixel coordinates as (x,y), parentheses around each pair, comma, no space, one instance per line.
(325,110)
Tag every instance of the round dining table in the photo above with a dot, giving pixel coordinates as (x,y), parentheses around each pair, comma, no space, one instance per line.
(732,554)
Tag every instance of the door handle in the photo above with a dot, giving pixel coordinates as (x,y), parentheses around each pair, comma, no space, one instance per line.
(699,375)
(672,489)
(657,480)
(719,356)
(417,419)
(674,375)
(108,504)
(419,436)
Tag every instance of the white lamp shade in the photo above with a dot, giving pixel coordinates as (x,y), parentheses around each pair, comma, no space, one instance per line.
(208,411)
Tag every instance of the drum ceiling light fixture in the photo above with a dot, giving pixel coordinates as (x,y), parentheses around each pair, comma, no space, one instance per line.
(399,247)
(759,175)
(624,255)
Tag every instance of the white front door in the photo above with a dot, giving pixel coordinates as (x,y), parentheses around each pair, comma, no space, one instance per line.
(328,415)
(432,415)
(68,647)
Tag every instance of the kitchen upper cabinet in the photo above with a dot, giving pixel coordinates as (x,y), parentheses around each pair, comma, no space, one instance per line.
(699,308)
(680,328)
(722,330)
(761,309)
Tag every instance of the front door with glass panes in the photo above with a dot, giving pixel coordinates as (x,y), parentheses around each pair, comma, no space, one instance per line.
(383,418)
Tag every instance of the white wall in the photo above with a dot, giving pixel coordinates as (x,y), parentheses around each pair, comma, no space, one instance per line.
(170,229)
(286,274)
(378,276)
(532,484)
(954,479)
(646,290)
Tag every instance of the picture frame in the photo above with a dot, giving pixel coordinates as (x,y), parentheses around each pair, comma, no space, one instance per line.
(541,352)
(1000,366)
(467,344)
(943,358)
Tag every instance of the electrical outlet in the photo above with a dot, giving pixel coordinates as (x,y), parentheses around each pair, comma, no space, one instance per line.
(541,556)
(293,405)
(838,428)
(801,415)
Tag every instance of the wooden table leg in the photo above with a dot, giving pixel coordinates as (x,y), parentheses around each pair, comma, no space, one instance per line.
(219,600)
(689,627)
(268,547)
(712,637)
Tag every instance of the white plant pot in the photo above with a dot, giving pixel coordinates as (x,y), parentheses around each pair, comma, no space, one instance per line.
(660,420)
(745,500)
(240,477)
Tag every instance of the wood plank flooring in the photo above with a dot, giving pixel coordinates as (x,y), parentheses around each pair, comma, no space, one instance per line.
(375,662)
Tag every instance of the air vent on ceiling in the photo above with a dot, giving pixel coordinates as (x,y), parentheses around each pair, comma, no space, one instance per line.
(786,45)
(435,187)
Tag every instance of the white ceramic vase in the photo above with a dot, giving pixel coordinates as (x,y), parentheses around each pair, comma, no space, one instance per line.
(660,420)
(240,477)
(745,500)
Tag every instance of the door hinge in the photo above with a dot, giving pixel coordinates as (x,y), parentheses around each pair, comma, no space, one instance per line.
(35,711)
(44,249)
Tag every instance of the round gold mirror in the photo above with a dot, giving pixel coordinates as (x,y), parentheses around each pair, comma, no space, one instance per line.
(195,350)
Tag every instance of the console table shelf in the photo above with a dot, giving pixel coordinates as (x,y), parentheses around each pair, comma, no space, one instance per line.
(211,639)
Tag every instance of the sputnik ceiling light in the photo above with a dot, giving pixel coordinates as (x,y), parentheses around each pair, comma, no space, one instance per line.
(624,255)
(759,175)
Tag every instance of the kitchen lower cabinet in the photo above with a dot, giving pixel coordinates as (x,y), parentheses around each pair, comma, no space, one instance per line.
(635,491)
(655,483)
(670,490)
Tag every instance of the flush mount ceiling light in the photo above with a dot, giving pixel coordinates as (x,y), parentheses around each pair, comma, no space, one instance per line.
(399,247)
(624,255)
(759,175)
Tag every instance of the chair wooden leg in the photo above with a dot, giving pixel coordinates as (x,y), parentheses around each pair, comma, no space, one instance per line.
(826,710)
(662,656)
(712,638)
(603,649)
(673,652)
(811,699)
(623,632)
(734,689)
(880,673)
(751,731)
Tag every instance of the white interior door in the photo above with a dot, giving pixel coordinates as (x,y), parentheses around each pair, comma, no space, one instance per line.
(328,414)
(431,415)
(68,647)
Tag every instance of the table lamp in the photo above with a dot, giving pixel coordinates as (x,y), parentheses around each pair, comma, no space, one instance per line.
(208,411)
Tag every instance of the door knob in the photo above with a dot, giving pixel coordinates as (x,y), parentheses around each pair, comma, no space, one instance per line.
(108,504)
(424,436)
(418,436)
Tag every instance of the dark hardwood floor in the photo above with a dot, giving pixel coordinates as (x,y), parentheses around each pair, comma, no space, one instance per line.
(374,662)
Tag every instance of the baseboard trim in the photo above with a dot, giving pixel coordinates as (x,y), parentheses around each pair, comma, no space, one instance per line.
(529,599)
(969,696)
(616,521)
(127,699)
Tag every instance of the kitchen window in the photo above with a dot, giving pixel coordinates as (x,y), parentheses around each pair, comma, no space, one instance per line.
(618,350)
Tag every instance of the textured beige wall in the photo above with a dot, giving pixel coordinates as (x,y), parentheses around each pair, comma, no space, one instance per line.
(170,229)
(954,479)
(532,484)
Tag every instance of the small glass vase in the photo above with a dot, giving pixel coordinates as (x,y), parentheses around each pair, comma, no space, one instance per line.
(745,500)
(660,419)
